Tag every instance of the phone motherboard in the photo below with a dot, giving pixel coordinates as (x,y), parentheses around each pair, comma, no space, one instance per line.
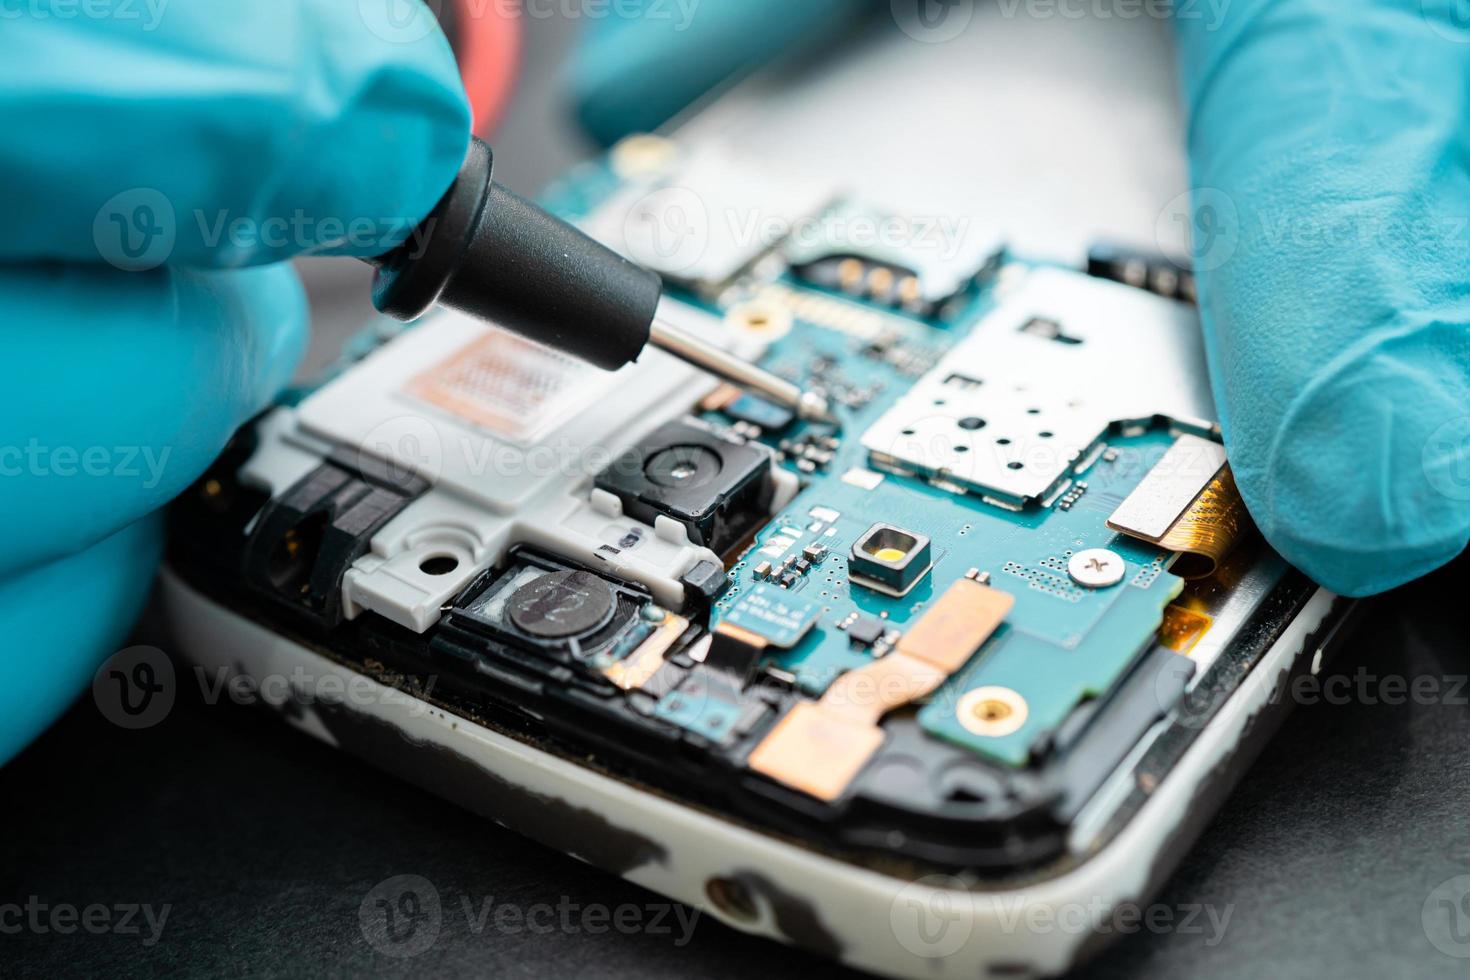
(930,630)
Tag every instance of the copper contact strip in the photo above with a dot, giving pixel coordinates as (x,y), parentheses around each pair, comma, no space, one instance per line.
(638,668)
(819,747)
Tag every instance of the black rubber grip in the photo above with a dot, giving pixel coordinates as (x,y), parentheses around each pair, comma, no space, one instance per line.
(486,252)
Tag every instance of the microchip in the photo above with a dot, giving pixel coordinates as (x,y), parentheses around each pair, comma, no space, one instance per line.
(759,412)
(865,631)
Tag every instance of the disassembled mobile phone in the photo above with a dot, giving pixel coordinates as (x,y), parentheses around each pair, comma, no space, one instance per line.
(991,643)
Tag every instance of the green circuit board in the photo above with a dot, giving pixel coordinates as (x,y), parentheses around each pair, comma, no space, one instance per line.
(1061,644)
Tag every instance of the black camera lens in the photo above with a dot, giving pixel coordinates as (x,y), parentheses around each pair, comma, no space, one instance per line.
(683,467)
(716,487)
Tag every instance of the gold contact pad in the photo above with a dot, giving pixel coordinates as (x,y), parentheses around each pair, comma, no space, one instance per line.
(954,627)
(501,383)
(819,747)
(816,751)
(867,694)
(1182,628)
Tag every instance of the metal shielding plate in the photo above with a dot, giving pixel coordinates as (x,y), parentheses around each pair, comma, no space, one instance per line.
(1179,476)
(1010,411)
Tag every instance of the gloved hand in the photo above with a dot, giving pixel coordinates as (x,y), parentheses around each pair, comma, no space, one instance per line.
(1330,146)
(1338,319)
(203,143)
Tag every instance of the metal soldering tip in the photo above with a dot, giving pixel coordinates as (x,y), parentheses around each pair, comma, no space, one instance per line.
(814,407)
(809,405)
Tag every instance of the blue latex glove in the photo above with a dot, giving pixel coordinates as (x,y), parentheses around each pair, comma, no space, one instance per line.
(1337,316)
(633,73)
(117,387)
(1330,142)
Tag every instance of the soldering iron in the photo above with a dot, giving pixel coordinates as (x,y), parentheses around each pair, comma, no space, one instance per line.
(488,253)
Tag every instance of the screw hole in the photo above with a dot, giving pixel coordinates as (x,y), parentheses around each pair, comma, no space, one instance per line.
(439,564)
(732,898)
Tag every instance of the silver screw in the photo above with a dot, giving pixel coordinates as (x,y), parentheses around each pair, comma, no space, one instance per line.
(1096,568)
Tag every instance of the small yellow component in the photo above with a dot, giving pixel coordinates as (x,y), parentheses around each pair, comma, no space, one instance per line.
(643,154)
(992,711)
(767,321)
(888,554)
(908,290)
(638,667)
(880,282)
(829,312)
(719,398)
(819,747)
(1182,628)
